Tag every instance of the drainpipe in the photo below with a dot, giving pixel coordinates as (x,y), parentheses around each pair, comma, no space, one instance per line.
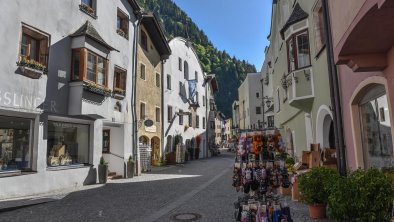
(162,108)
(134,89)
(334,93)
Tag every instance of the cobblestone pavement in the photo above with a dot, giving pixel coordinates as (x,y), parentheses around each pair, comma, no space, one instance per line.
(200,187)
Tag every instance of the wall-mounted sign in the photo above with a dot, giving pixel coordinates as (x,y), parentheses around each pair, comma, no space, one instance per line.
(148,122)
(151,129)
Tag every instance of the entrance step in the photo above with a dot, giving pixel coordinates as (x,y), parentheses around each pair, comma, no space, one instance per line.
(113,176)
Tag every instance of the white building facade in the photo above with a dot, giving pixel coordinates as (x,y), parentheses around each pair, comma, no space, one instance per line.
(250,100)
(184,116)
(67,96)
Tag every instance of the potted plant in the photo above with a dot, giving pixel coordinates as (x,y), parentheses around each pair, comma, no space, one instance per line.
(364,195)
(315,188)
(103,171)
(171,158)
(130,167)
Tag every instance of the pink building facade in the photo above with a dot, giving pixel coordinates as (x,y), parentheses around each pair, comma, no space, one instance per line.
(363,39)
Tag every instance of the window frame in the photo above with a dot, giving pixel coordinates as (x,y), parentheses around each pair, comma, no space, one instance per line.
(293,38)
(144,40)
(190,120)
(158,114)
(142,104)
(124,21)
(180,117)
(143,65)
(123,73)
(197,121)
(169,113)
(180,63)
(186,70)
(158,82)
(83,66)
(258,110)
(168,81)
(87,7)
(41,38)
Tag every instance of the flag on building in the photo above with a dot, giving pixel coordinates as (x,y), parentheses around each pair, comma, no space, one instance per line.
(192,90)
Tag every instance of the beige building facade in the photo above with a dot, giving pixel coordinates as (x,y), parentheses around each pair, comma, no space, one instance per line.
(152,50)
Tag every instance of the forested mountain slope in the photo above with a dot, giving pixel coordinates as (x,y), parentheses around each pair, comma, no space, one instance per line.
(229,71)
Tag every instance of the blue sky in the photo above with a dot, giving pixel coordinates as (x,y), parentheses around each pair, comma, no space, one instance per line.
(239,27)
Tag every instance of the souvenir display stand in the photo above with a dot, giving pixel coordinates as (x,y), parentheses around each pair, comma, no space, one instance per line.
(258,173)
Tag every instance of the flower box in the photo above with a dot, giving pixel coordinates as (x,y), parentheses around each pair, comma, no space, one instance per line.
(122,33)
(88,10)
(97,89)
(119,93)
(31,68)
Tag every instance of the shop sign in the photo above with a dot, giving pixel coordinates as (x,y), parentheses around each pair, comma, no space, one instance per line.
(151,129)
(29,102)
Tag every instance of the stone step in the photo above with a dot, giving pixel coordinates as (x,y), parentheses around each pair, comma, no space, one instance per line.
(110,174)
(115,177)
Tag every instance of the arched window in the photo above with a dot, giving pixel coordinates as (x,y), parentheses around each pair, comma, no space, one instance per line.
(376,128)
(186,70)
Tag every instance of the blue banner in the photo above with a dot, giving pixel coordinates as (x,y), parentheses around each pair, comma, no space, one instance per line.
(192,89)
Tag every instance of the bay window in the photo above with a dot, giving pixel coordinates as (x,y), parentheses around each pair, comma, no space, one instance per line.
(96,67)
(298,51)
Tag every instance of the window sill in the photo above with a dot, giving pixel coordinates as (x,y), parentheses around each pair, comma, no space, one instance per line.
(122,33)
(74,166)
(85,9)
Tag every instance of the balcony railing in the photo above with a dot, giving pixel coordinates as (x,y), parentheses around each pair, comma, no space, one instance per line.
(300,88)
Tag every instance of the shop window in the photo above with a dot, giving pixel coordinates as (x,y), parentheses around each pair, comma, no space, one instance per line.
(15,144)
(158,114)
(318,19)
(158,80)
(258,110)
(186,71)
(120,81)
(142,72)
(34,48)
(169,82)
(197,121)
(122,24)
(96,69)
(298,51)
(203,123)
(68,144)
(169,114)
(106,141)
(142,111)
(89,7)
(144,40)
(180,117)
(376,129)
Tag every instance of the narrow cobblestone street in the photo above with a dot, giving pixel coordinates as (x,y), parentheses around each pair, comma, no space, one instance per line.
(200,187)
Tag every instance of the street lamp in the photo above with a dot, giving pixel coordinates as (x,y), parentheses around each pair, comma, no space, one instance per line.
(268,101)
